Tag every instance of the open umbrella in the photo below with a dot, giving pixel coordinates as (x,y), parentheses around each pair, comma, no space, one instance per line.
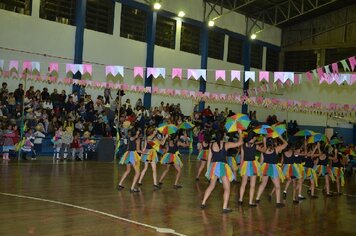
(279,128)
(335,141)
(348,151)
(274,134)
(304,133)
(235,122)
(263,129)
(317,138)
(186,125)
(165,128)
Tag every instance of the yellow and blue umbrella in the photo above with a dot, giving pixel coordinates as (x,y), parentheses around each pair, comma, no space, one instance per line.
(237,122)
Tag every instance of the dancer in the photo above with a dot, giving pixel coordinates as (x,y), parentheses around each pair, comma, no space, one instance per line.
(231,158)
(150,156)
(172,157)
(249,167)
(310,173)
(203,154)
(269,168)
(299,157)
(131,157)
(338,170)
(219,169)
(8,143)
(324,169)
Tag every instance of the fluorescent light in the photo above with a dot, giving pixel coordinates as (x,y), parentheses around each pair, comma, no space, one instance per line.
(253,36)
(157,6)
(181,14)
(211,23)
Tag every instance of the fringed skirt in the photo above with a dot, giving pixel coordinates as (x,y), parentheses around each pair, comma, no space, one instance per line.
(171,159)
(339,172)
(232,163)
(250,168)
(203,155)
(310,173)
(238,159)
(218,170)
(272,170)
(150,156)
(130,157)
(291,170)
(325,170)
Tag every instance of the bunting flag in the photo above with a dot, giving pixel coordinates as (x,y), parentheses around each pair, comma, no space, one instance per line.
(156,72)
(288,76)
(320,72)
(114,70)
(177,73)
(315,73)
(345,78)
(263,75)
(353,79)
(14,65)
(324,78)
(297,78)
(235,74)
(279,76)
(87,69)
(138,72)
(220,74)
(36,66)
(345,65)
(335,67)
(53,67)
(309,76)
(327,69)
(352,61)
(81,68)
(250,75)
(196,74)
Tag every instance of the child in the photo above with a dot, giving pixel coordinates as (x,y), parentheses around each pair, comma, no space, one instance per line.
(77,147)
(28,145)
(8,144)
(57,143)
(38,141)
(67,139)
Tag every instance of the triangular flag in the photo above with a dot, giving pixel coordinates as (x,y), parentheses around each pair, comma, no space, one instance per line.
(250,75)
(320,72)
(297,78)
(87,68)
(235,74)
(53,67)
(138,72)
(36,66)
(220,74)
(177,73)
(352,61)
(315,73)
(156,72)
(114,70)
(345,78)
(14,65)
(279,76)
(309,76)
(263,75)
(196,74)
(353,79)
(288,76)
(335,67)
(324,78)
(327,69)
(345,65)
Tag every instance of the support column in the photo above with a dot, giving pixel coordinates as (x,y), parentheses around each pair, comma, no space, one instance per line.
(151,35)
(247,62)
(204,43)
(117,19)
(80,15)
(35,8)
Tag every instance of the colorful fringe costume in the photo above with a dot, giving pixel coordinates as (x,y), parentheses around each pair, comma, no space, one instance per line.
(339,172)
(130,157)
(325,170)
(250,168)
(310,173)
(171,159)
(203,155)
(219,169)
(291,170)
(232,163)
(150,156)
(272,170)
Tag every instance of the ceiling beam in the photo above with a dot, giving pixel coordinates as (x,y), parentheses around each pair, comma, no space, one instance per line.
(217,6)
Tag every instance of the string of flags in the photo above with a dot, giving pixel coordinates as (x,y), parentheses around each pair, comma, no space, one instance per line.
(328,74)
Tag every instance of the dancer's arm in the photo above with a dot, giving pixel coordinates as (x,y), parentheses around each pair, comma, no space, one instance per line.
(281,147)
(229,145)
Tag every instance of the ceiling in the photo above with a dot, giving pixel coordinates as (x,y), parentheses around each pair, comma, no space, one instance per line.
(255,8)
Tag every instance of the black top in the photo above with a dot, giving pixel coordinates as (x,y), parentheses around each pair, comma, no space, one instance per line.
(338,163)
(205,147)
(289,160)
(271,158)
(173,149)
(309,163)
(249,152)
(232,152)
(219,156)
(131,145)
(299,159)
(324,162)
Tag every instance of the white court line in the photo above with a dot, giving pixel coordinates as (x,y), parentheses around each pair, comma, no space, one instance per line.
(160,230)
(319,189)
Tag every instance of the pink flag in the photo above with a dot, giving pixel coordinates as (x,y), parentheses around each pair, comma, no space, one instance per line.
(138,72)
(353,78)
(14,65)
(196,74)
(324,78)
(87,68)
(335,67)
(141,88)
(177,92)
(264,75)
(114,70)
(27,66)
(279,76)
(352,61)
(320,72)
(177,73)
(235,74)
(309,76)
(53,67)
(220,74)
(155,90)
(148,89)
(133,88)
(297,78)
(71,68)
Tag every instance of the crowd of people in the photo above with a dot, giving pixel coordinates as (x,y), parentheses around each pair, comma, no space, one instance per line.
(72,121)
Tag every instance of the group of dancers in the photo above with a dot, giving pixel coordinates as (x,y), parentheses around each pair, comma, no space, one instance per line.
(225,156)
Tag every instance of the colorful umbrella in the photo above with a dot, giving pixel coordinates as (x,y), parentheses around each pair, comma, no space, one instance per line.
(237,122)
(335,141)
(348,151)
(274,134)
(186,125)
(165,128)
(305,133)
(279,128)
(264,129)
(317,138)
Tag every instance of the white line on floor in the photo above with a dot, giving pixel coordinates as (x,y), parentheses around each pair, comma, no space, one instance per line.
(160,230)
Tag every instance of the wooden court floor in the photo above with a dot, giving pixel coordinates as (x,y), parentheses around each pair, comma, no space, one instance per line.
(42,198)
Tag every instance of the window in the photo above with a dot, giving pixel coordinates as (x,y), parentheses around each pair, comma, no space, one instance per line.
(100,15)
(272,60)
(62,11)
(190,39)
(216,45)
(165,32)
(18,6)
(133,23)
(256,56)
(300,61)
(235,50)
